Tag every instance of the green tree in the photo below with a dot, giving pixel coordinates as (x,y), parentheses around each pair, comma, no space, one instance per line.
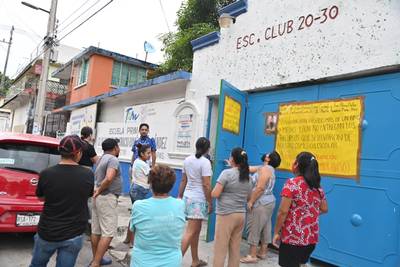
(195,18)
(8,82)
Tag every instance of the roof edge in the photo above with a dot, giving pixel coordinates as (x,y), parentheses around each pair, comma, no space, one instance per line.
(177,75)
(205,40)
(234,9)
(92,50)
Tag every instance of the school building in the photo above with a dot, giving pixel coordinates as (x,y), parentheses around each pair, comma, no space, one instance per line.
(320,76)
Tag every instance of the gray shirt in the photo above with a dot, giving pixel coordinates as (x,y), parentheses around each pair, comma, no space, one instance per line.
(105,162)
(234,196)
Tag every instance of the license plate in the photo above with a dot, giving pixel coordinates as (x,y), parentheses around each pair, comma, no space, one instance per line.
(27,219)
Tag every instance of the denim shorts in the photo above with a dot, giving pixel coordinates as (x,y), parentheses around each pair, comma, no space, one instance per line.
(138,192)
(195,210)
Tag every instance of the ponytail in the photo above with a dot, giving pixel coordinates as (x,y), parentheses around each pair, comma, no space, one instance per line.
(202,147)
(240,158)
(308,168)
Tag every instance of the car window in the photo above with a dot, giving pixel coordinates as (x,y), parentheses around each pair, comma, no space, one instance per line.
(27,157)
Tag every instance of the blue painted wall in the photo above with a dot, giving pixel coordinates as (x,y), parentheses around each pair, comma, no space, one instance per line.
(126,183)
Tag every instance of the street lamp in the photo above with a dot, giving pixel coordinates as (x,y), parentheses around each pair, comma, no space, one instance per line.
(34,7)
(38,124)
(225,20)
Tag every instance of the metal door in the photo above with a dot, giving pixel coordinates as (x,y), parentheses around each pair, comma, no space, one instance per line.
(226,138)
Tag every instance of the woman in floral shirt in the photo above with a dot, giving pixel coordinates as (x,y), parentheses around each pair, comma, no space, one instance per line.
(303,200)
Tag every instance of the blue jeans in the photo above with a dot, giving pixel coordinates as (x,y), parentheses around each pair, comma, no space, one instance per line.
(138,192)
(67,251)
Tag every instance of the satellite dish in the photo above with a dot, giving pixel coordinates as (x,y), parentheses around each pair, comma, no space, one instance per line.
(148,47)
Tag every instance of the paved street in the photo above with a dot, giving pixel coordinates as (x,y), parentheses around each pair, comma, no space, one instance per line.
(15,250)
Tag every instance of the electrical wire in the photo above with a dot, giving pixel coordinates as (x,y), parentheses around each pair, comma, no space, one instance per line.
(90,7)
(165,17)
(26,25)
(83,22)
(45,49)
(73,13)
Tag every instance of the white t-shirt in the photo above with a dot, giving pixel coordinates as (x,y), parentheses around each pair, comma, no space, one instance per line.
(140,173)
(195,169)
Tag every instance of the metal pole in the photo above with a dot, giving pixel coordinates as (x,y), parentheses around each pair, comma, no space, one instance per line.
(41,96)
(3,78)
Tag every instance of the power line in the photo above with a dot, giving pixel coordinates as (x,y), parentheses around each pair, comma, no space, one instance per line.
(165,17)
(15,15)
(22,32)
(83,22)
(91,16)
(73,13)
(65,27)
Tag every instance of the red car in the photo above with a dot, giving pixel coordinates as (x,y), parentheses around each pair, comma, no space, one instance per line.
(22,158)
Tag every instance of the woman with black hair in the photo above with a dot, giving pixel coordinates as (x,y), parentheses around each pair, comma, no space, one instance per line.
(195,189)
(303,200)
(232,191)
(260,207)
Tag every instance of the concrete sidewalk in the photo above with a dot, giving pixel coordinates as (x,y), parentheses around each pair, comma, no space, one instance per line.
(121,252)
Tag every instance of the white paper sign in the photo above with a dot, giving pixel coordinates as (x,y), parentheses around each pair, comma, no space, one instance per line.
(82,117)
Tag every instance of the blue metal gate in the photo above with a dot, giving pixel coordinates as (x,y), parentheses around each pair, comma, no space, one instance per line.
(363,223)
(226,140)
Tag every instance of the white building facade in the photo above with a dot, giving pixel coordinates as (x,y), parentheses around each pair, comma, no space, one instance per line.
(276,58)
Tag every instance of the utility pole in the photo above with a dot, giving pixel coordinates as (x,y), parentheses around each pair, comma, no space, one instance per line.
(3,78)
(41,95)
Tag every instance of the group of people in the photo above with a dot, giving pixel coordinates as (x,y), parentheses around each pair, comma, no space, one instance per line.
(66,189)
(244,203)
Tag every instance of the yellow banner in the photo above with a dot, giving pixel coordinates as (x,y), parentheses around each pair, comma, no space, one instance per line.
(330,130)
(231,116)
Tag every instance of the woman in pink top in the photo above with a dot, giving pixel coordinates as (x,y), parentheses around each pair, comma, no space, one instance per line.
(303,200)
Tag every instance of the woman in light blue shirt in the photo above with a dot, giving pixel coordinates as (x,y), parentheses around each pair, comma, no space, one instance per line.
(158,223)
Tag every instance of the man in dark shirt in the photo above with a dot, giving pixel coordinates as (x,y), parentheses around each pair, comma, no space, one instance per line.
(89,156)
(65,189)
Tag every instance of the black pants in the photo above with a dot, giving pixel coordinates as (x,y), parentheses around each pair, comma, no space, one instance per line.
(293,256)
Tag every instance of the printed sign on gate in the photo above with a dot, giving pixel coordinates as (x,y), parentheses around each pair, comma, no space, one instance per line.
(231,116)
(331,130)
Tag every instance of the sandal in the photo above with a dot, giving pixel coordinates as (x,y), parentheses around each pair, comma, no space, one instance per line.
(105,261)
(249,259)
(200,264)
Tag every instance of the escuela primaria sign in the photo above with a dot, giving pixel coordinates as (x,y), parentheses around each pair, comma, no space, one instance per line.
(331,130)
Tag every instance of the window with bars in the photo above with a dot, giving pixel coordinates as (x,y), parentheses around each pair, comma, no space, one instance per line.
(83,71)
(125,75)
